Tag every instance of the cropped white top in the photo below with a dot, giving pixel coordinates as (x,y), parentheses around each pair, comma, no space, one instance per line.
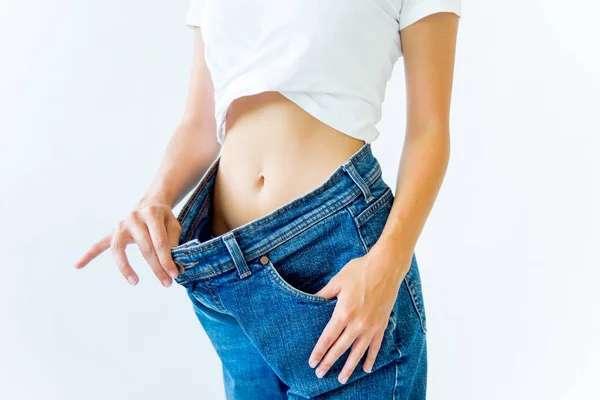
(333,58)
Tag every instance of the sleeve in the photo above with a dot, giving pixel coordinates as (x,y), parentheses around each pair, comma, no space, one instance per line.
(413,10)
(194,13)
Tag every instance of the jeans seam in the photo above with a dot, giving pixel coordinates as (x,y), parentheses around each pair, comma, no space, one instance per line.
(415,305)
(216,300)
(210,273)
(360,236)
(396,377)
(190,202)
(196,220)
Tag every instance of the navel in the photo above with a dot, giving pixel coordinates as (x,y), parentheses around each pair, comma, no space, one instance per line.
(261,181)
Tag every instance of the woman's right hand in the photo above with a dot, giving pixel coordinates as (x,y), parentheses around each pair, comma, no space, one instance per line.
(155,229)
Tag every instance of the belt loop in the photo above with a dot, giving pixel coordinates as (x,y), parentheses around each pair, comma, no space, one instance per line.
(236,254)
(360,182)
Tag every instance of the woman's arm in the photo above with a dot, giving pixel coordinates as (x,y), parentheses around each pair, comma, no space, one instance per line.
(151,224)
(429,51)
(193,146)
(367,287)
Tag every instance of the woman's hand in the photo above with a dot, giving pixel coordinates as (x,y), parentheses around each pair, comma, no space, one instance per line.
(154,228)
(366,289)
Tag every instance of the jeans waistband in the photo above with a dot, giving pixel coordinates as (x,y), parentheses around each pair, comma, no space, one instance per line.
(247,242)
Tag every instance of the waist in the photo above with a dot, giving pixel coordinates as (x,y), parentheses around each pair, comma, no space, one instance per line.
(273,152)
(358,176)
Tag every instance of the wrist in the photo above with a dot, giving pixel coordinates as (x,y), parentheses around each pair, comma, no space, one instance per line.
(391,257)
(155,198)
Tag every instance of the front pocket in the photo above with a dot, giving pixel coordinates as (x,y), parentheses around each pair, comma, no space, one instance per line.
(371,221)
(284,322)
(303,265)
(278,280)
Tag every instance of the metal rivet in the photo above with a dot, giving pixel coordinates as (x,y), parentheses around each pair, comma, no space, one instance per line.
(180,267)
(264,260)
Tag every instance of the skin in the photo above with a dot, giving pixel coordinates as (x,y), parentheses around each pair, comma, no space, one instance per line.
(280,167)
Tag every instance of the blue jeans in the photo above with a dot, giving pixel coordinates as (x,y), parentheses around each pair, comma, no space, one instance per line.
(252,289)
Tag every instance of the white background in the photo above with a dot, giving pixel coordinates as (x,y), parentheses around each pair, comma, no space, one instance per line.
(90,93)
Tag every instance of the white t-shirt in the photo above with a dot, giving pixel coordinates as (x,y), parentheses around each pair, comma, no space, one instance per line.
(331,57)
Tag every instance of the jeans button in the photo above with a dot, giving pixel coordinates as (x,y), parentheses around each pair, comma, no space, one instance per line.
(264,260)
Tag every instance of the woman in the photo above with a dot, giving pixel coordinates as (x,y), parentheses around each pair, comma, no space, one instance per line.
(298,259)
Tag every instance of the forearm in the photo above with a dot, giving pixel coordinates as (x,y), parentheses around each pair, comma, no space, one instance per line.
(190,151)
(421,171)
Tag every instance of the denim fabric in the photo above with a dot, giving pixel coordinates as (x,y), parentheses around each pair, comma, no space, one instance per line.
(252,289)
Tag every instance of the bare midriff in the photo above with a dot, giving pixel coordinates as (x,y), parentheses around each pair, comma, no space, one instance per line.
(273,153)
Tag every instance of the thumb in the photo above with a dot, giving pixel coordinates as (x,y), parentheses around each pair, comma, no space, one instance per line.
(331,290)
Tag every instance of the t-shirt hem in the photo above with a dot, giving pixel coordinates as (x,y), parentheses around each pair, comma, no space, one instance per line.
(368,137)
(411,15)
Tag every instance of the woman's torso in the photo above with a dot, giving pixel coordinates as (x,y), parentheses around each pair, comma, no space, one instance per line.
(273,152)
(298,90)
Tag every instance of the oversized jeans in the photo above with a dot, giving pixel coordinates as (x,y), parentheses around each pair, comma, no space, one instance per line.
(252,289)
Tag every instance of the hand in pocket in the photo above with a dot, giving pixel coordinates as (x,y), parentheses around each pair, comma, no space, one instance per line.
(366,289)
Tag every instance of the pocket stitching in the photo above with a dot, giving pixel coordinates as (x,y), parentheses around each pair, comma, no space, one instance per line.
(283,284)
(368,212)
(358,231)
(412,298)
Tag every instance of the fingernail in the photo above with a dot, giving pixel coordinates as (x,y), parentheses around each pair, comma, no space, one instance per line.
(312,363)
(368,370)
(343,379)
(320,373)
(167,282)
(132,280)
(173,274)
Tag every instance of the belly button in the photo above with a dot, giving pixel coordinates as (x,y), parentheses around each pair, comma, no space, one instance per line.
(261,180)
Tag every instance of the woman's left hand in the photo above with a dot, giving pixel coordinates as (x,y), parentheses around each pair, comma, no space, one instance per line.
(366,289)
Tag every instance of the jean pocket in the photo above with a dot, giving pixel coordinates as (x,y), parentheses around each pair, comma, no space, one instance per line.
(285,322)
(310,259)
(371,220)
(277,279)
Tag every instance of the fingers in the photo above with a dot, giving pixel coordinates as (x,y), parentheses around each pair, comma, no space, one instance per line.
(173,230)
(330,333)
(344,330)
(155,230)
(358,349)
(137,226)
(94,251)
(373,350)
(343,342)
(119,242)
(161,240)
